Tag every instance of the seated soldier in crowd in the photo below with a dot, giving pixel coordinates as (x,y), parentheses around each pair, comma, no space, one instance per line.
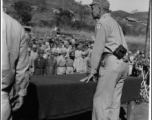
(40,64)
(51,64)
(69,63)
(61,63)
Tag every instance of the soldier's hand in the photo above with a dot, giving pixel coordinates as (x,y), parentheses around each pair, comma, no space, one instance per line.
(88,78)
(18,103)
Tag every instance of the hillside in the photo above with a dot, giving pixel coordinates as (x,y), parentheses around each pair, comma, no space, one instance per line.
(143,16)
(81,14)
(34,2)
(73,6)
(139,16)
(120,13)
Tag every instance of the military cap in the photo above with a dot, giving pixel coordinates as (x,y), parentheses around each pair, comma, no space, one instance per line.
(83,53)
(34,46)
(73,41)
(103,3)
(29,49)
(55,51)
(52,52)
(63,51)
(41,52)
(65,42)
(71,53)
(40,41)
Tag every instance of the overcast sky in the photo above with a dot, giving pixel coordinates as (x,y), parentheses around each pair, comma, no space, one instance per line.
(126,5)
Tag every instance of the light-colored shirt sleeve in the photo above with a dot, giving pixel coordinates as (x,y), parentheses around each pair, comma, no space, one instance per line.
(98,47)
(22,75)
(15,57)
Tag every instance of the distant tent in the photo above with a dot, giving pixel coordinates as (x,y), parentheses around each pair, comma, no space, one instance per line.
(131,19)
(27,28)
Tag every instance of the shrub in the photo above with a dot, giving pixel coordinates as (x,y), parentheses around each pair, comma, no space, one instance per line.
(23,10)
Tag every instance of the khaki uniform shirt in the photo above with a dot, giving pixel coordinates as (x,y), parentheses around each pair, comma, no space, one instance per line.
(108,34)
(15,56)
(69,62)
(61,61)
(40,65)
(51,64)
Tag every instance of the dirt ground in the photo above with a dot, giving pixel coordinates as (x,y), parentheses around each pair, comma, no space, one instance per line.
(141,113)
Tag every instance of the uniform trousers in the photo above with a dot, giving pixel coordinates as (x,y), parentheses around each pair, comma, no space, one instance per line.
(39,71)
(5,106)
(106,101)
(61,70)
(130,69)
(69,70)
(51,70)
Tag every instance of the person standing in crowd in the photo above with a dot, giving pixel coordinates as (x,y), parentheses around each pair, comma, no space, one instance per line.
(15,64)
(131,63)
(84,62)
(112,68)
(46,50)
(69,48)
(43,46)
(58,48)
(69,63)
(51,64)
(89,50)
(40,64)
(33,57)
(61,63)
(78,53)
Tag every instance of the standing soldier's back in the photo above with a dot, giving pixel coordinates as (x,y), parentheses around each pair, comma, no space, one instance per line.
(15,64)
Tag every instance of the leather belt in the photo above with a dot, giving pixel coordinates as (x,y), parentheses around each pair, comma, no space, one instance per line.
(105,55)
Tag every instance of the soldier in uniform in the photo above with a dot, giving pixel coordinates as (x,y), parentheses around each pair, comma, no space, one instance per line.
(78,57)
(84,62)
(15,64)
(51,64)
(33,56)
(40,64)
(61,63)
(112,70)
(69,63)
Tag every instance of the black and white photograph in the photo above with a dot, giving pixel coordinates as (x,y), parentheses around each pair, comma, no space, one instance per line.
(75,60)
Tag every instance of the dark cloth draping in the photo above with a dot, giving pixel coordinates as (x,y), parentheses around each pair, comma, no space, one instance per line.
(64,95)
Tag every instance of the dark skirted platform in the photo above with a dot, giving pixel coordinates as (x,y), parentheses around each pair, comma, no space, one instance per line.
(61,96)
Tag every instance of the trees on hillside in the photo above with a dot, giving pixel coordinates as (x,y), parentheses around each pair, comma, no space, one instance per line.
(23,10)
(42,5)
(83,11)
(64,17)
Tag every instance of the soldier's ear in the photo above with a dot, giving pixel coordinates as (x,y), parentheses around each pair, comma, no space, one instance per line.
(99,9)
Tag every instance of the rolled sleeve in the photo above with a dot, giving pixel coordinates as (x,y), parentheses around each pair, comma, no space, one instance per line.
(22,73)
(98,48)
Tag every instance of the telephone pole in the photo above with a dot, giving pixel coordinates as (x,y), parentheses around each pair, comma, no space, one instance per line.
(147,42)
